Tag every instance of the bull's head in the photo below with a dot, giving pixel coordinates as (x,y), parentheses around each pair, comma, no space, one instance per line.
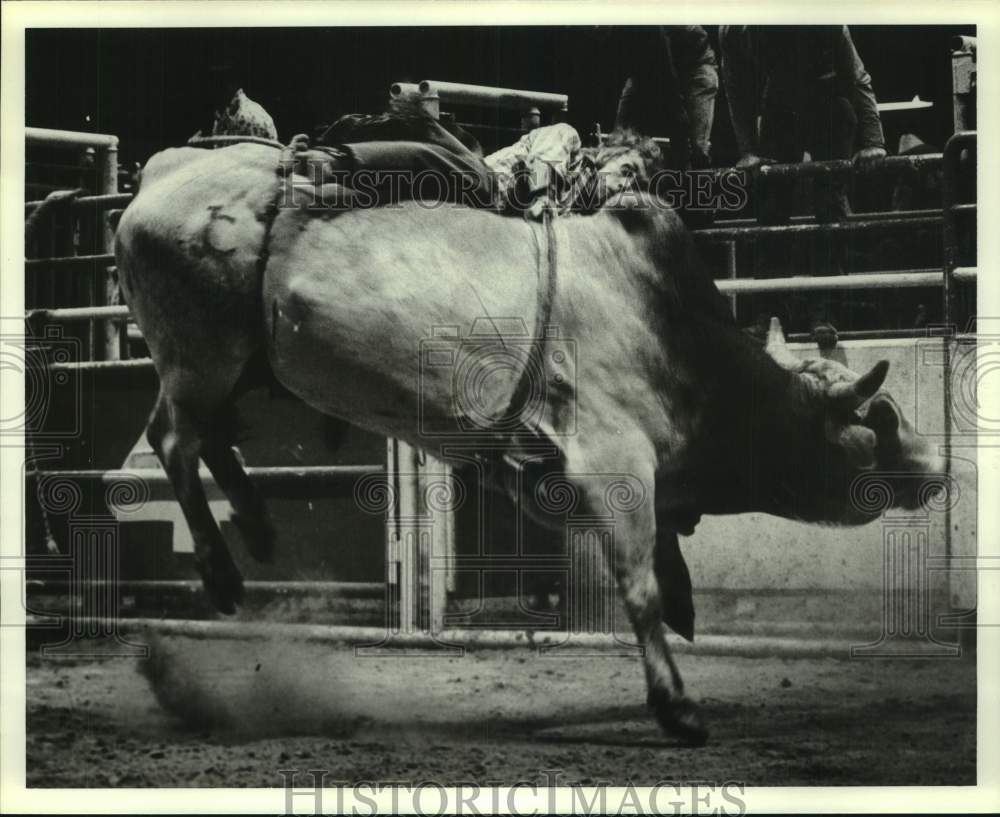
(871,458)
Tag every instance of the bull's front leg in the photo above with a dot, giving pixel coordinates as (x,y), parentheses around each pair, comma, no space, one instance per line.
(642,580)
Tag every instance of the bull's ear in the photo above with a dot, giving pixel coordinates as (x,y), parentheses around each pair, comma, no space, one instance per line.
(777,348)
(856,441)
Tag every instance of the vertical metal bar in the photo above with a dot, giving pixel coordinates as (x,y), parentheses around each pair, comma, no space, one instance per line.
(441,559)
(949,237)
(731,271)
(113,331)
(409,540)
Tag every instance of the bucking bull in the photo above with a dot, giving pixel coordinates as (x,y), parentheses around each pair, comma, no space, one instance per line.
(225,267)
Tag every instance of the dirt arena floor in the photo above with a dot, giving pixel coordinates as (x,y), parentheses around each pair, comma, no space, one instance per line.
(217,713)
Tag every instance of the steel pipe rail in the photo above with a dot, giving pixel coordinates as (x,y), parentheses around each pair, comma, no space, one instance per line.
(965,273)
(70,261)
(458,93)
(861,280)
(85,366)
(70,139)
(79,313)
(952,156)
(288,482)
(195,587)
(100,202)
(866,334)
(953,151)
(384,638)
(845,167)
(867,225)
(875,216)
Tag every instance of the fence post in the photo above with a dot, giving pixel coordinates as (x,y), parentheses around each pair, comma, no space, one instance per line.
(949,236)
(113,331)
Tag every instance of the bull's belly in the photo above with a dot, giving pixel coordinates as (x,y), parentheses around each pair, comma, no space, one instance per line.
(386,374)
(415,344)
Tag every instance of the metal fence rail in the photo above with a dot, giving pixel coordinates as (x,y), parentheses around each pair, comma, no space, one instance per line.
(105,201)
(106,149)
(855,226)
(295,482)
(288,587)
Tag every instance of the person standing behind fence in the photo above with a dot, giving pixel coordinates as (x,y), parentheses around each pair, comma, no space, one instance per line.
(672,80)
(812,94)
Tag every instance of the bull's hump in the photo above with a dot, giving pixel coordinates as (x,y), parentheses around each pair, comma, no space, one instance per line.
(182,163)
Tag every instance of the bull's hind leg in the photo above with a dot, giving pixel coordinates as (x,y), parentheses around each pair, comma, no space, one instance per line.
(634,569)
(249,511)
(178,434)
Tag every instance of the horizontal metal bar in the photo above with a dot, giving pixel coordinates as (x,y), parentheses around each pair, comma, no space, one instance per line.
(844,167)
(458,93)
(266,476)
(886,272)
(482,126)
(84,366)
(727,645)
(69,138)
(965,273)
(100,202)
(731,233)
(79,313)
(863,334)
(875,216)
(863,280)
(80,167)
(194,586)
(44,187)
(69,261)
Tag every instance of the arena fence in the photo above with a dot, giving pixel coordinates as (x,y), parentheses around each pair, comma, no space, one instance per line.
(417,558)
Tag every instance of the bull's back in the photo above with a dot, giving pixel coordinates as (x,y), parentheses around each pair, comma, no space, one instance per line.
(187,250)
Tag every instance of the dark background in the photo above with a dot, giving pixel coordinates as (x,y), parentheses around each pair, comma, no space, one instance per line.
(156,87)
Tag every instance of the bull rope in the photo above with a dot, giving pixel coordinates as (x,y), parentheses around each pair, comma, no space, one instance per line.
(546,295)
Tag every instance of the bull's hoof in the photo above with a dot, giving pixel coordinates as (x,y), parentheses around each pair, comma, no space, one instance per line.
(258,536)
(222,581)
(679,717)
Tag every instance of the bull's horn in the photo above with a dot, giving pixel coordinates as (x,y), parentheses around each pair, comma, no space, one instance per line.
(776,347)
(870,383)
(854,394)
